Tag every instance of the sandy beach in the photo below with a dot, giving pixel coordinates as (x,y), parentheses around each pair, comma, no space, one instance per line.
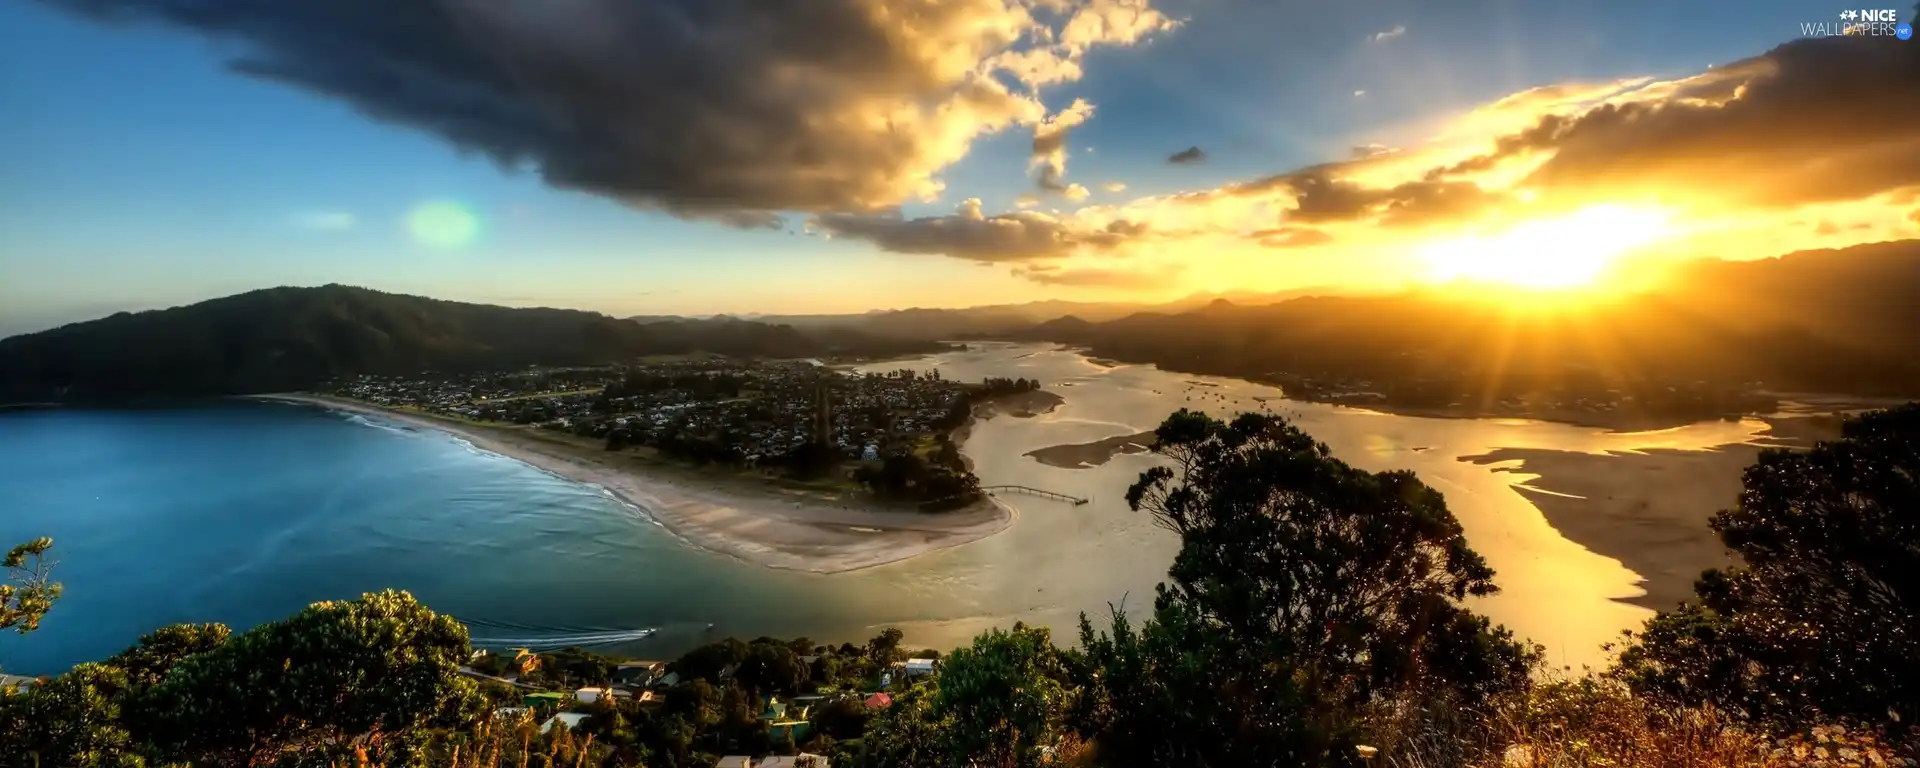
(1649,509)
(760,523)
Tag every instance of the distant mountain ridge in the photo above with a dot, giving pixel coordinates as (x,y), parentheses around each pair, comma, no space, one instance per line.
(1836,321)
(280,339)
(996,319)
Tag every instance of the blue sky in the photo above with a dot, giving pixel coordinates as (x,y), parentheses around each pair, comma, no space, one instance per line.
(139,171)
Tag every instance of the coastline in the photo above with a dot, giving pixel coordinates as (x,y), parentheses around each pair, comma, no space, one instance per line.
(789,529)
(1648,509)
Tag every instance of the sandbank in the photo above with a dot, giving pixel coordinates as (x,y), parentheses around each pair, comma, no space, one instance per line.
(744,517)
(1649,509)
(1096,453)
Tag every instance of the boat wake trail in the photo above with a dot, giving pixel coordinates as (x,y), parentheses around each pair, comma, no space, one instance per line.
(505,635)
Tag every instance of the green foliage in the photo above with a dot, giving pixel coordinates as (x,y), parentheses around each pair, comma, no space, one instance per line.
(910,734)
(29,591)
(843,717)
(1001,698)
(335,672)
(1823,621)
(1306,594)
(157,652)
(884,648)
(73,721)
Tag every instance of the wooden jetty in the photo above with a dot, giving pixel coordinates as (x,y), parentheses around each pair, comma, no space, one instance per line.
(1045,494)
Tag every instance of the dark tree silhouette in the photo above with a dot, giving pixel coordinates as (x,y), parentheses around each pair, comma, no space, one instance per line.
(1306,593)
(1824,618)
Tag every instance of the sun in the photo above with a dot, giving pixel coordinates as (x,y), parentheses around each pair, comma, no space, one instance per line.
(1571,251)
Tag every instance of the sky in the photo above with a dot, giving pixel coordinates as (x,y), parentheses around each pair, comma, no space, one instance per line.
(757,156)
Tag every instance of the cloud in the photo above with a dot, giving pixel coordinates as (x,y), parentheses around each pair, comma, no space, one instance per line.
(1188,155)
(1292,237)
(728,110)
(1026,201)
(1099,277)
(970,234)
(325,220)
(1817,119)
(1050,144)
(1359,93)
(1114,186)
(1381,37)
(1075,192)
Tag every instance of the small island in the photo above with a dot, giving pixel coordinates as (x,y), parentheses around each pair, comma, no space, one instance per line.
(787,464)
(1096,453)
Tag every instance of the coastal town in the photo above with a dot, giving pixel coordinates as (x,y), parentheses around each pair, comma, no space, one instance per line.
(781,703)
(889,432)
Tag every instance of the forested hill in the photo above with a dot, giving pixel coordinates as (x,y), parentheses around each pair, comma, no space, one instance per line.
(1835,321)
(282,339)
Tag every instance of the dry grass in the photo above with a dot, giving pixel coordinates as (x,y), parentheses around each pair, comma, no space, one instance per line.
(508,743)
(1597,723)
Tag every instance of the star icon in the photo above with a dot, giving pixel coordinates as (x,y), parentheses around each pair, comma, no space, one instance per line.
(1846,15)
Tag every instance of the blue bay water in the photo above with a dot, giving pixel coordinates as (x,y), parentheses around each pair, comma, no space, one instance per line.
(242,512)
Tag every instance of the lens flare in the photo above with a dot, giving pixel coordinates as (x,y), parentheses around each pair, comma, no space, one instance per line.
(443,224)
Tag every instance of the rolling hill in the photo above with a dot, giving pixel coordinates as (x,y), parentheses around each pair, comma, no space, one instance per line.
(282,339)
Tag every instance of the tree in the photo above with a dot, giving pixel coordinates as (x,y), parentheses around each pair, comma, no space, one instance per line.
(29,591)
(157,652)
(1306,598)
(331,676)
(73,720)
(1823,620)
(884,647)
(1002,697)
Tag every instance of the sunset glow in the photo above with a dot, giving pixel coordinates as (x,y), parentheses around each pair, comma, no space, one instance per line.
(1548,254)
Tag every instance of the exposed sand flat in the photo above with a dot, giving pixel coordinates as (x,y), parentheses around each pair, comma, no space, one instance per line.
(758,523)
(1082,455)
(1649,510)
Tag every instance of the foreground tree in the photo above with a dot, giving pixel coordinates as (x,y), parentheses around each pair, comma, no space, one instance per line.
(995,704)
(1308,599)
(29,590)
(334,676)
(74,721)
(1823,620)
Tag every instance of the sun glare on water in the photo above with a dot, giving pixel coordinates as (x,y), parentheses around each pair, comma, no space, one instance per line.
(1547,254)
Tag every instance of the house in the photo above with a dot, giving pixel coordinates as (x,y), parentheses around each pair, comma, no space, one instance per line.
(726,672)
(590,695)
(734,761)
(638,673)
(775,710)
(919,667)
(879,701)
(802,760)
(544,699)
(16,682)
(571,720)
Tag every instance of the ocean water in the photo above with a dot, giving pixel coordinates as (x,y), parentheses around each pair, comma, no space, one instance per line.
(241,512)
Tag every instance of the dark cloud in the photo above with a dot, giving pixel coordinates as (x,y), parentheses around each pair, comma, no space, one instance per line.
(970,234)
(1818,119)
(719,109)
(1188,155)
(1321,199)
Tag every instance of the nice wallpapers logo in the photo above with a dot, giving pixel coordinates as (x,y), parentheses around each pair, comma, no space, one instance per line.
(1867,22)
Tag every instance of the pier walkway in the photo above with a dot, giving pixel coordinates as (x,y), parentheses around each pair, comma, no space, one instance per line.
(1045,494)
